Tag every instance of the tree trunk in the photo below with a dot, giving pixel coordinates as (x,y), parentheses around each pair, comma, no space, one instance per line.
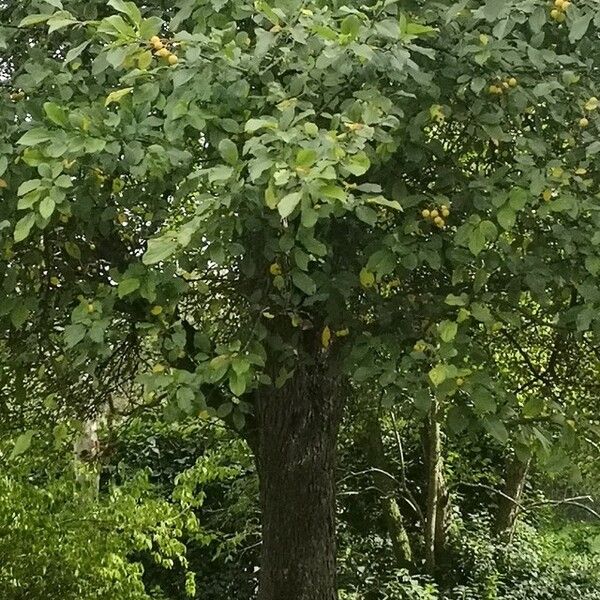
(297,433)
(508,506)
(436,518)
(389,489)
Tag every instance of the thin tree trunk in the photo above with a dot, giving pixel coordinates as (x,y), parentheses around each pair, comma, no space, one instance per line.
(508,507)
(441,520)
(297,433)
(387,486)
(436,517)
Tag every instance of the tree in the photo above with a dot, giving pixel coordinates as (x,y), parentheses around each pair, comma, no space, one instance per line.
(235,209)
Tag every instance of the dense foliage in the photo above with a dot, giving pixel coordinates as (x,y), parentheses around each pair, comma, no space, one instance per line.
(239,239)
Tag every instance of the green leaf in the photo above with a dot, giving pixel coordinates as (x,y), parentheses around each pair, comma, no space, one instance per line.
(579,27)
(228,150)
(56,114)
(117,95)
(448,330)
(128,286)
(438,374)
(73,53)
(496,428)
(306,157)
(476,241)
(288,203)
(73,249)
(484,402)
(74,334)
(303,282)
(28,186)
(30,20)
(128,8)
(237,383)
(159,249)
(47,206)
(457,419)
(59,20)
(481,313)
(506,217)
(493,9)
(381,201)
(23,227)
(358,164)
(592,264)
(333,191)
(350,26)
(34,137)
(22,444)
(185,399)
(253,125)
(452,300)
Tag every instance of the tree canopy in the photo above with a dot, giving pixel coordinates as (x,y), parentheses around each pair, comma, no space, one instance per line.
(225,208)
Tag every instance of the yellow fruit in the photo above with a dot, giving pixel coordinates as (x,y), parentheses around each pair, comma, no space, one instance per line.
(566,4)
(547,195)
(326,337)
(162,53)
(559,4)
(156,310)
(425,214)
(512,82)
(460,381)
(342,332)
(155,40)
(367,279)
(561,18)
(54,280)
(275,269)
(445,212)
(583,122)
(554,13)
(439,222)
(493,89)
(505,85)
(3,183)
(158,368)
(173,60)
(434,214)
(90,308)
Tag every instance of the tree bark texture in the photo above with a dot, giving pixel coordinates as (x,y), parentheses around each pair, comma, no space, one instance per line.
(297,434)
(508,506)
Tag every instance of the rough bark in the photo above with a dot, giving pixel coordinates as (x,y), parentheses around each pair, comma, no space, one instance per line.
(508,506)
(297,430)
(389,503)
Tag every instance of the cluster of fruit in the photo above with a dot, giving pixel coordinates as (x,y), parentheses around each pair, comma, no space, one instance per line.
(437,216)
(162,51)
(558,11)
(499,86)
